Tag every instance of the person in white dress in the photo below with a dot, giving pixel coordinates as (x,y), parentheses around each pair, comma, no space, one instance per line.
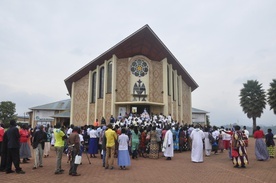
(168,144)
(52,138)
(197,137)
(207,144)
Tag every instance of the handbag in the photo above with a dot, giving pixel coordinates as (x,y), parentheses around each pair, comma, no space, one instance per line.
(234,153)
(77,159)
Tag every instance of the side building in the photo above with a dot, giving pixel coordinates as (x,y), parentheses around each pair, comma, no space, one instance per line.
(137,74)
(199,116)
(50,114)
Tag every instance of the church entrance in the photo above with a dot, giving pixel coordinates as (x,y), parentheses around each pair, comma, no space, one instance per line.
(139,109)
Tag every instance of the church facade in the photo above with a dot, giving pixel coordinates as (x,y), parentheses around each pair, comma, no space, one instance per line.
(137,74)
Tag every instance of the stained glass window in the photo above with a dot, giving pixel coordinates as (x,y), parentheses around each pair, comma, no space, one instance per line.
(139,68)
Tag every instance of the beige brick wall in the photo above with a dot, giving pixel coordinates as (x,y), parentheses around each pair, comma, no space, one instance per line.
(156,109)
(122,80)
(91,113)
(100,109)
(169,105)
(186,102)
(174,114)
(179,114)
(107,107)
(80,101)
(156,82)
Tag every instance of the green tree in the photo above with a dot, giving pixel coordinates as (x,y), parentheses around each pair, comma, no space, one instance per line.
(271,95)
(7,110)
(252,100)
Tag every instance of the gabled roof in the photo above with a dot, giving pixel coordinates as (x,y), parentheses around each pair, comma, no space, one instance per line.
(142,42)
(55,106)
(198,111)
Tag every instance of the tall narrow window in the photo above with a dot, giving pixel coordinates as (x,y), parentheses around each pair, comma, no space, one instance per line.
(178,90)
(94,80)
(168,80)
(173,90)
(101,83)
(109,77)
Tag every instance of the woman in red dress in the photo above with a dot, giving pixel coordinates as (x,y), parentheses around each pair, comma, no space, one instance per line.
(142,144)
(260,146)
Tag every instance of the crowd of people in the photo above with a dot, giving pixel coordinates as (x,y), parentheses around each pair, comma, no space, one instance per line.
(125,138)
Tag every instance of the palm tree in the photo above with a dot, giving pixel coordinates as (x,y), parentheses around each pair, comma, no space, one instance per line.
(271,95)
(252,100)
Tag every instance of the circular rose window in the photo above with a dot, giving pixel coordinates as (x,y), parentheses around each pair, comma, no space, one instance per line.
(139,68)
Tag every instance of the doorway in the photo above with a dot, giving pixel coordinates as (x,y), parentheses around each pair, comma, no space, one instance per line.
(139,109)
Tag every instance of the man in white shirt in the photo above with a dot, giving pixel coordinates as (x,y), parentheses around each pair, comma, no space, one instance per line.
(246,132)
(215,134)
(69,131)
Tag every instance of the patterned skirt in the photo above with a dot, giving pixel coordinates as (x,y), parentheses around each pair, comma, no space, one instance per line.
(271,151)
(154,150)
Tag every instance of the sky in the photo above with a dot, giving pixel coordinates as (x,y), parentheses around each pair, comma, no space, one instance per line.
(222,44)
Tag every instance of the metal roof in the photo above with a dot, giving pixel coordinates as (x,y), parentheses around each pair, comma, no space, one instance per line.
(142,42)
(199,111)
(65,114)
(60,105)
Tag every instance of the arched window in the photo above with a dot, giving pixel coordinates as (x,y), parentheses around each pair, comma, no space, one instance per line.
(94,80)
(101,83)
(109,77)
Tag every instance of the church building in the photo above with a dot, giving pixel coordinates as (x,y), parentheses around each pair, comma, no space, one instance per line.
(137,74)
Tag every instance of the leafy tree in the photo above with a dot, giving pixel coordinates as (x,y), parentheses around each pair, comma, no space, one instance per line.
(271,95)
(7,110)
(252,100)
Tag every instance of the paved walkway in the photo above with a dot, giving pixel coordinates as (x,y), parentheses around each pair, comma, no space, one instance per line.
(217,168)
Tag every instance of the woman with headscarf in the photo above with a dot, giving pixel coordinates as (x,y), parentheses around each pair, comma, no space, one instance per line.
(270,143)
(207,143)
(182,138)
(134,141)
(142,144)
(25,151)
(154,149)
(175,138)
(238,148)
(260,146)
